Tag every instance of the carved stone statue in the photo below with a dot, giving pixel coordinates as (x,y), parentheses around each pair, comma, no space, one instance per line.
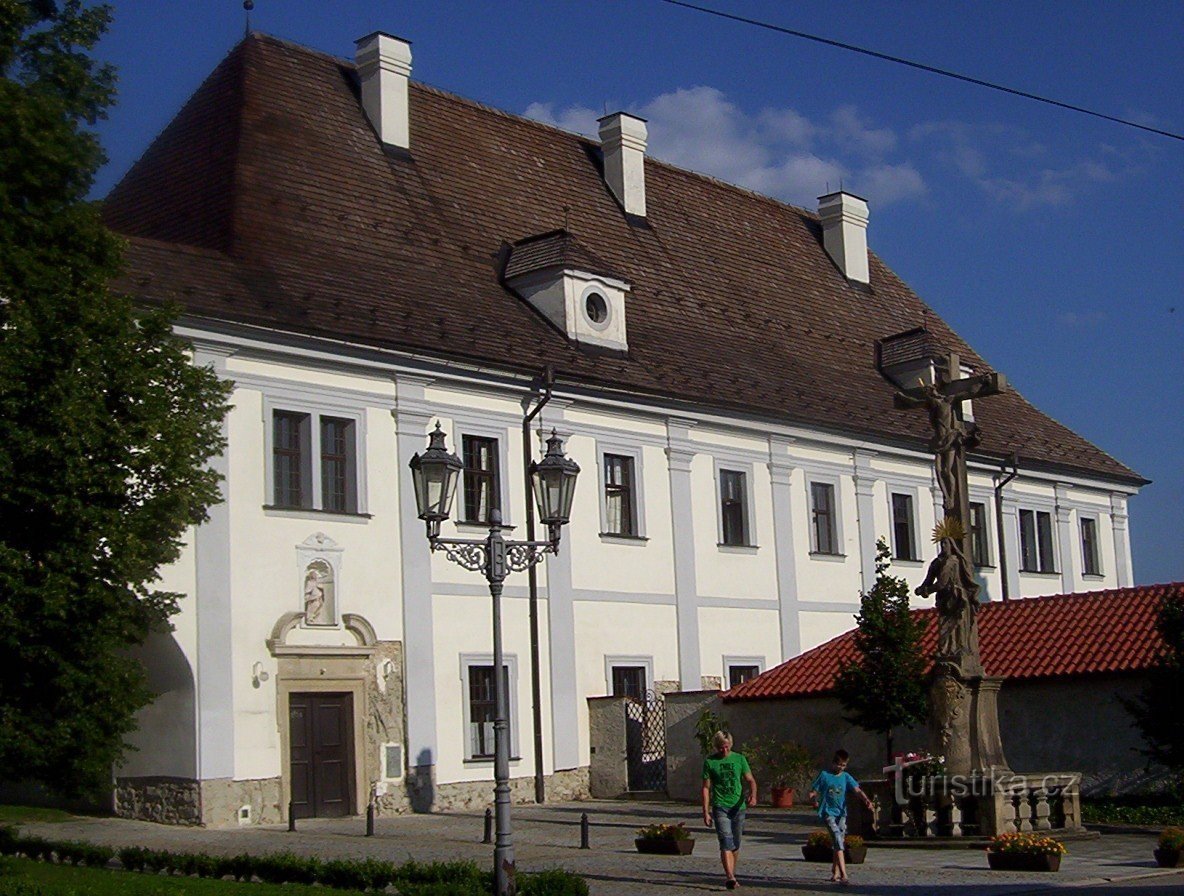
(318,594)
(951,580)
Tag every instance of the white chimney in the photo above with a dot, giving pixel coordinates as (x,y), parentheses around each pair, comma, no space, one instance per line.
(384,67)
(844,233)
(622,139)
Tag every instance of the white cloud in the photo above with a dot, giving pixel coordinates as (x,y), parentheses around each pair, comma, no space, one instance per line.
(987,156)
(778,151)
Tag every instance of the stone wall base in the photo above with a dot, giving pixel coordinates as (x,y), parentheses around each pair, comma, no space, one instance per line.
(422,796)
(159,799)
(220,803)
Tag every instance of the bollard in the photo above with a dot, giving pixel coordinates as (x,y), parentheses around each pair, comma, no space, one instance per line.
(584,831)
(488,838)
(370,819)
(291,817)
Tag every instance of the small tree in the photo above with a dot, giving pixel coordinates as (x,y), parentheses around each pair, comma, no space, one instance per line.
(1155,710)
(885,686)
(706,727)
(106,427)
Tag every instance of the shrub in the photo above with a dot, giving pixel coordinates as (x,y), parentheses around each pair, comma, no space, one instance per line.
(819,838)
(552,883)
(9,838)
(664,832)
(1172,839)
(240,867)
(132,858)
(35,848)
(344,875)
(286,867)
(158,860)
(1026,844)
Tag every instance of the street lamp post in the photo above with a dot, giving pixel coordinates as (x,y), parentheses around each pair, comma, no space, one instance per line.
(435,474)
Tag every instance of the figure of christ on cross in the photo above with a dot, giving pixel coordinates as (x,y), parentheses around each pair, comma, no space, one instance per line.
(951,436)
(951,577)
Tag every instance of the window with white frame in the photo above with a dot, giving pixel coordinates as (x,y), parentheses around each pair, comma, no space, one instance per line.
(620,495)
(314,461)
(980,552)
(1091,560)
(733,508)
(904,522)
(480,704)
(1036,542)
(824,526)
(482,478)
(739,669)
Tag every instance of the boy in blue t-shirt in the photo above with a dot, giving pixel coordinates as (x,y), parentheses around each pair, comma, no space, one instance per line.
(829,795)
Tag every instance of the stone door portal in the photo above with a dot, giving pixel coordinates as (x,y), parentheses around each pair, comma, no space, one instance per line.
(321,754)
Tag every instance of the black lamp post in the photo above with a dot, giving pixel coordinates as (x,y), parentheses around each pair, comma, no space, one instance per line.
(435,474)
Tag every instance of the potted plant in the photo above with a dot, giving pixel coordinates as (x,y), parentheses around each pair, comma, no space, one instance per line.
(665,839)
(1170,853)
(817,848)
(1025,852)
(783,764)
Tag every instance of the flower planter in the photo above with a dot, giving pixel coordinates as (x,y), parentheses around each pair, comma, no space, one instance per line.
(665,847)
(782,797)
(1021,861)
(1169,858)
(854,855)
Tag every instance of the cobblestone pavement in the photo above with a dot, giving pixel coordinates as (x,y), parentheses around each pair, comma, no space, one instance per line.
(548,837)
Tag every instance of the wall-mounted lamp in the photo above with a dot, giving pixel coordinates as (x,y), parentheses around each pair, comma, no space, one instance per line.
(258,674)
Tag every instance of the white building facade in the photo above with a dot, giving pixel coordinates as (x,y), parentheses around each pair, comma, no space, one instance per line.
(323,657)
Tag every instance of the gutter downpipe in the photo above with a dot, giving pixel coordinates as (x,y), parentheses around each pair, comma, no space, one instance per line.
(1000,482)
(548,380)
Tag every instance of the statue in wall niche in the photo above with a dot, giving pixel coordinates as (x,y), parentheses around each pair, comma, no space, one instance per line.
(951,580)
(318,594)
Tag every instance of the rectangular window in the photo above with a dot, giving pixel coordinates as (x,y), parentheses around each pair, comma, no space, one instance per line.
(980,555)
(1036,541)
(822,513)
(291,460)
(619,495)
(629,681)
(482,486)
(733,507)
(483,709)
(740,674)
(1090,563)
(903,536)
(337,462)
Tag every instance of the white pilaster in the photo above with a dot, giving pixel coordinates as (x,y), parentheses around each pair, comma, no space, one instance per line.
(412,419)
(1123,567)
(780,477)
(1011,545)
(1070,558)
(865,515)
(213,679)
(680,453)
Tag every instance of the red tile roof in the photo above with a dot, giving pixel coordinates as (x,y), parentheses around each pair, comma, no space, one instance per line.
(1037,637)
(269,201)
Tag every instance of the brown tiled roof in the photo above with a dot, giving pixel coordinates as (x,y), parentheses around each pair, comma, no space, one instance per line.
(734,304)
(1038,637)
(557,249)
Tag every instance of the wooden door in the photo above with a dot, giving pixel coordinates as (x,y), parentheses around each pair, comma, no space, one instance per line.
(321,759)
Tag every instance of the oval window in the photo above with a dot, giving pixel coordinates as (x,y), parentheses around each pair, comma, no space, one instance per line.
(596,307)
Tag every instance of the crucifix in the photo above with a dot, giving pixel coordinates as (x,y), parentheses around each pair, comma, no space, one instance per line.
(951,575)
(952,436)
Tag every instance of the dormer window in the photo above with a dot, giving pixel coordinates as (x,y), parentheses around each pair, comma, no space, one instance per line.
(570,287)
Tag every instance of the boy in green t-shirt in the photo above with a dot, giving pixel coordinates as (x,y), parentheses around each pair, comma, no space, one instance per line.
(724,775)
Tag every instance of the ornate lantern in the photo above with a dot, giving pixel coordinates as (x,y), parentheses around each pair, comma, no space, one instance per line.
(435,474)
(554,481)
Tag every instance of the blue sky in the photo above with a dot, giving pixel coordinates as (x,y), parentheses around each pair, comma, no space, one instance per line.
(1053,242)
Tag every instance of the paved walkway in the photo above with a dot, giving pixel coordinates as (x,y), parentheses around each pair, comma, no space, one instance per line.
(548,837)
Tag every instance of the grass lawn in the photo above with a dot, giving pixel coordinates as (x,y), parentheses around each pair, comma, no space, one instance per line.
(21,877)
(30,814)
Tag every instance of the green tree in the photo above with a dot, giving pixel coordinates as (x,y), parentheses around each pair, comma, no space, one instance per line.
(1155,709)
(106,428)
(885,686)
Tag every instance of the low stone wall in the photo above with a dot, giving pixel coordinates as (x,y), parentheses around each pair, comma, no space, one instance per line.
(163,800)
(419,796)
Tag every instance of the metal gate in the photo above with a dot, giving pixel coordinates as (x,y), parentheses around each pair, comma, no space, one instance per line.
(645,742)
